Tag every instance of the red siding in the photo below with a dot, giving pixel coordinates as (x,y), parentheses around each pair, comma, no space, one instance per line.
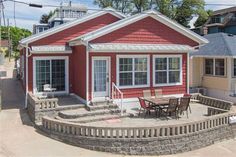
(62,37)
(148,31)
(79,71)
(30,69)
(136,92)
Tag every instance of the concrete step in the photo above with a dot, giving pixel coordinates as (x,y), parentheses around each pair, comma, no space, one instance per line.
(101,107)
(93,118)
(84,113)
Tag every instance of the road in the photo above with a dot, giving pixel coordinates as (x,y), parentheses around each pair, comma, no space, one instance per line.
(18,138)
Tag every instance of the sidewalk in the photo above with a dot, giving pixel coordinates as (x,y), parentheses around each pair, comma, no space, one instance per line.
(18,138)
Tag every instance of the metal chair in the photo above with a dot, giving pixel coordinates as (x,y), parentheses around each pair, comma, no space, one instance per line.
(171,108)
(158,93)
(147,94)
(184,105)
(190,96)
(144,106)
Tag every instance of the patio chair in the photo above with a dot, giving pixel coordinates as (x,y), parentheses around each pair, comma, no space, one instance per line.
(184,105)
(145,107)
(40,95)
(190,96)
(158,93)
(171,108)
(147,94)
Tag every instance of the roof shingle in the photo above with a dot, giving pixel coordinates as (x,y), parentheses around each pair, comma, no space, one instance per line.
(220,44)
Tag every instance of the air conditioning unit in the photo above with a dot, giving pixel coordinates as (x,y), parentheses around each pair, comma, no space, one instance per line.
(201,90)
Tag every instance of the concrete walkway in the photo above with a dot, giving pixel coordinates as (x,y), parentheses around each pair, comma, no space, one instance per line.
(19,139)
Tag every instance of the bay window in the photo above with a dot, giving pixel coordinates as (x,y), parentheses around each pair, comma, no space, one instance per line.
(50,71)
(133,71)
(167,70)
(215,66)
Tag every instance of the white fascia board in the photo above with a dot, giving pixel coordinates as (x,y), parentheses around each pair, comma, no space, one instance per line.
(68,25)
(181,29)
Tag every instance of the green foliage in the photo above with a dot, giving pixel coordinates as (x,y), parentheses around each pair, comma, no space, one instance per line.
(181,11)
(203,17)
(16,34)
(45,17)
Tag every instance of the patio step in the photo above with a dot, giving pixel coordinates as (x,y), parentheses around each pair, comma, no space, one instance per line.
(84,113)
(94,118)
(101,105)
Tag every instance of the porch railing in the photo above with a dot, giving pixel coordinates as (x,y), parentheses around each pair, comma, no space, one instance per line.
(117,94)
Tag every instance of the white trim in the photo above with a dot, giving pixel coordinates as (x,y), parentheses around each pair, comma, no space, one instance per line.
(157,16)
(70,24)
(66,58)
(133,79)
(108,59)
(214,75)
(154,70)
(152,48)
(52,52)
(188,73)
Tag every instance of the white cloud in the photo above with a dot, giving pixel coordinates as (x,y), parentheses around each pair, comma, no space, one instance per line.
(228,3)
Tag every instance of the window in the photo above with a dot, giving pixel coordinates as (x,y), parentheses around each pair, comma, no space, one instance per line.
(215,67)
(167,70)
(209,66)
(50,71)
(133,71)
(219,67)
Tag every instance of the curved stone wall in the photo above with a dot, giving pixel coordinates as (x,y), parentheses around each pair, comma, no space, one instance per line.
(155,140)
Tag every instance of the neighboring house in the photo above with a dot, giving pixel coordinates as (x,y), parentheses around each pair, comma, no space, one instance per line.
(84,57)
(221,21)
(62,15)
(213,66)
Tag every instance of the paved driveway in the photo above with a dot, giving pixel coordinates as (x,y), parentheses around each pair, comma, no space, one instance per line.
(19,139)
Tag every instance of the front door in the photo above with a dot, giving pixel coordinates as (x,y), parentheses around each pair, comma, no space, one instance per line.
(101,77)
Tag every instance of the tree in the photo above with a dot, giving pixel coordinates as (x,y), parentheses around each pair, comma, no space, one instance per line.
(203,17)
(45,17)
(186,9)
(16,35)
(181,11)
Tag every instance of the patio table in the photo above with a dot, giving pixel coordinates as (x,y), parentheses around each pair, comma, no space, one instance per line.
(159,102)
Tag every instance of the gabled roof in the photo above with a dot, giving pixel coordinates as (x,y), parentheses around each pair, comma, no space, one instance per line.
(221,44)
(129,20)
(67,25)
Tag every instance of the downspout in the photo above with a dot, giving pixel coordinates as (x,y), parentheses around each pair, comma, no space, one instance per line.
(87,73)
(26,73)
(188,73)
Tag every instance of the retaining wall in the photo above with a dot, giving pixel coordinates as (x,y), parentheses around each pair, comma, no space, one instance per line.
(156,140)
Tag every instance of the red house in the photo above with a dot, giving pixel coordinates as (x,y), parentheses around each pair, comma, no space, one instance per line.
(87,56)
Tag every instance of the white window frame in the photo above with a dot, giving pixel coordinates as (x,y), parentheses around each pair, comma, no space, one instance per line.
(66,58)
(214,67)
(133,71)
(154,70)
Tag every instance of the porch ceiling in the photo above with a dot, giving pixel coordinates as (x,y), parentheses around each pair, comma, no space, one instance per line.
(120,47)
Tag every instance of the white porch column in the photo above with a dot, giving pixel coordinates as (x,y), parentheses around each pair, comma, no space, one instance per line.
(188,73)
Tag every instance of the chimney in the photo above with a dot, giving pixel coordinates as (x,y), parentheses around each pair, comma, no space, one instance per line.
(205,30)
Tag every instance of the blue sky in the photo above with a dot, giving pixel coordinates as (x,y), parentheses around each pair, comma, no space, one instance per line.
(27,16)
